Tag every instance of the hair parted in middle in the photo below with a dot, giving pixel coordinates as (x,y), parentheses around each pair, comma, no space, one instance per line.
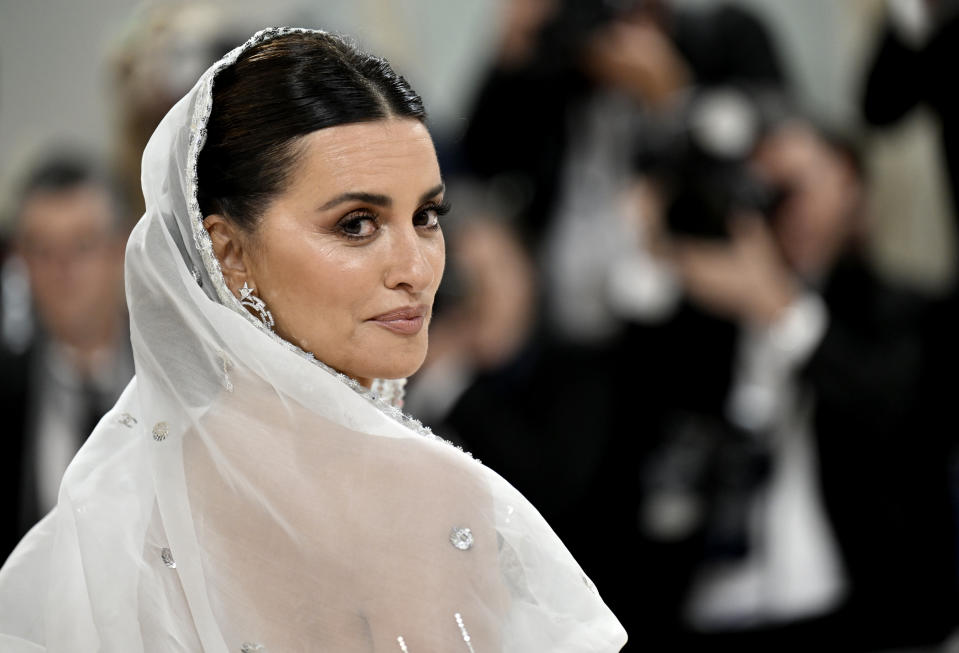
(277,92)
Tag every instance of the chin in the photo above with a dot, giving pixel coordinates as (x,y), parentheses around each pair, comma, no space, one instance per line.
(396,372)
(391,366)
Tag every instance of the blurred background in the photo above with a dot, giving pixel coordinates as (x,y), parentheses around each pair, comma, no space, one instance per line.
(699,306)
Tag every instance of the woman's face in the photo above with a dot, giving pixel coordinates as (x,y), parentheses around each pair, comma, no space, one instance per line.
(348,258)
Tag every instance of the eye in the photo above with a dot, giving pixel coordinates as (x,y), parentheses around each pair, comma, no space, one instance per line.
(358,226)
(428,217)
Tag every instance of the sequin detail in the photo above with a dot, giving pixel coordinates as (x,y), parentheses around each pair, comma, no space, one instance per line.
(589,585)
(226,365)
(127,420)
(193,270)
(464,632)
(167,556)
(250,647)
(389,390)
(402,643)
(160,431)
(461,538)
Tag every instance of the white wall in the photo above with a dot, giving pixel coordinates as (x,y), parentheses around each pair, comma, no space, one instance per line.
(54,87)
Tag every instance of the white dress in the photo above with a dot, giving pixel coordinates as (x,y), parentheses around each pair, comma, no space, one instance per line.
(241,496)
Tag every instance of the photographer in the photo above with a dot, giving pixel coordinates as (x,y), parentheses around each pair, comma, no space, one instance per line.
(791,494)
(557,121)
(556,56)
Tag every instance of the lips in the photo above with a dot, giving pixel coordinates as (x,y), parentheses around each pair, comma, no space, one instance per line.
(405,321)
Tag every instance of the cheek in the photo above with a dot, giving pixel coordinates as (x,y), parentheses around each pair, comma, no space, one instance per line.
(437,259)
(312,289)
(328,289)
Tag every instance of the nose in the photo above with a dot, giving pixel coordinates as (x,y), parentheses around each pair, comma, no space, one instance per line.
(410,266)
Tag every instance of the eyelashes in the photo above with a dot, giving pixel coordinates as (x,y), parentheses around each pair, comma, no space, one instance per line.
(433,212)
(357,226)
(363,225)
(441,208)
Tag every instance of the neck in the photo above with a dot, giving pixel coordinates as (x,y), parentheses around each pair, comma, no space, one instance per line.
(366,383)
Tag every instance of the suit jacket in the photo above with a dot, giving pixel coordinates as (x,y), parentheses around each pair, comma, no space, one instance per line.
(883,470)
(24,377)
(13,402)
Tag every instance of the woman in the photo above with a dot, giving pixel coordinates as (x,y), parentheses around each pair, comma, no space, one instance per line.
(242,495)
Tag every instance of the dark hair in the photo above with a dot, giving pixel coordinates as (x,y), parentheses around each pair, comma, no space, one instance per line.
(277,92)
(62,170)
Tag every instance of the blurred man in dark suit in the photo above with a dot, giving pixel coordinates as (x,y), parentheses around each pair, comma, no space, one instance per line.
(70,235)
(793,497)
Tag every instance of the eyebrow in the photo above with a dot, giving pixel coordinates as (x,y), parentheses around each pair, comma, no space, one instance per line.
(377,199)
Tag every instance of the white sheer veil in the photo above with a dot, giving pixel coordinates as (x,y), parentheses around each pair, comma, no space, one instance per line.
(241,496)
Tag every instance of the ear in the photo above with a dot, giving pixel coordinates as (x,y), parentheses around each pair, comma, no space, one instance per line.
(230,246)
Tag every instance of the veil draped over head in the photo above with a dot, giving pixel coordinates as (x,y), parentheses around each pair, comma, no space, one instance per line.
(241,496)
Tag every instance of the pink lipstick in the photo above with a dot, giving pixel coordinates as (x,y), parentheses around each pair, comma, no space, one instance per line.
(406,321)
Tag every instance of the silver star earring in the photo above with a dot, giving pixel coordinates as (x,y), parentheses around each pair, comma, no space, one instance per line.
(251,301)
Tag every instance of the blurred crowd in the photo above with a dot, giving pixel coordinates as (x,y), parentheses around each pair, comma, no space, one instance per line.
(662,318)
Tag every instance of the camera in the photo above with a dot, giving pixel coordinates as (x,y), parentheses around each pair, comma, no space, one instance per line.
(700,157)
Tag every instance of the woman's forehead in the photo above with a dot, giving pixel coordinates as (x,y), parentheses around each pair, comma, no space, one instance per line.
(385,151)
(394,158)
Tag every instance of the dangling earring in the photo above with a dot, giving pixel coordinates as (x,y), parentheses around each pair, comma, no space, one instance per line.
(248,299)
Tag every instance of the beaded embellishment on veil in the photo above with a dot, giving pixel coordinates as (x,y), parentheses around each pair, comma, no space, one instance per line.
(463,632)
